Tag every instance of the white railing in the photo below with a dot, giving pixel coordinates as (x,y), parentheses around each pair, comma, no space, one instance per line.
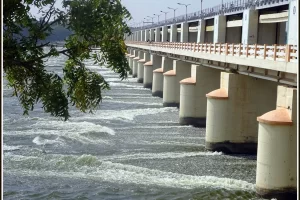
(285,53)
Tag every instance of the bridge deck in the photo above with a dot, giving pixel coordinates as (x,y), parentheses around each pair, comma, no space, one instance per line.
(277,57)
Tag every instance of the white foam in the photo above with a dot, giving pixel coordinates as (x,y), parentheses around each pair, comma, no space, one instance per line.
(165,143)
(77,131)
(107,97)
(135,102)
(11,148)
(127,114)
(90,167)
(168,155)
(154,127)
(131,95)
(136,97)
(114,84)
(128,80)
(41,141)
(79,127)
(131,88)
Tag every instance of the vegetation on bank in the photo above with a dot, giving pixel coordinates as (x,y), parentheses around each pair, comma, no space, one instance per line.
(100,23)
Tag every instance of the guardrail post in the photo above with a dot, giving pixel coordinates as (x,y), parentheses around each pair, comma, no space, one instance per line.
(255,49)
(209,48)
(205,47)
(275,51)
(265,51)
(226,49)
(220,48)
(232,49)
(194,46)
(215,48)
(240,47)
(247,50)
(288,53)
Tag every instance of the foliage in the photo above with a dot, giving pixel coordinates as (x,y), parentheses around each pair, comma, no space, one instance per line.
(100,23)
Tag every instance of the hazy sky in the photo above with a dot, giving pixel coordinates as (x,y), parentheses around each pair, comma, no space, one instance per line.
(140,9)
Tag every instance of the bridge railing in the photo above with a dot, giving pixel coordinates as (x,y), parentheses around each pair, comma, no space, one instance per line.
(284,53)
(228,7)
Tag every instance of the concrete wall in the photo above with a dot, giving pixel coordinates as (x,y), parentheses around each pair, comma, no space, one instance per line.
(281,33)
(173,33)
(250,27)
(192,36)
(220,29)
(209,37)
(164,34)
(201,31)
(152,35)
(293,23)
(234,35)
(184,36)
(267,33)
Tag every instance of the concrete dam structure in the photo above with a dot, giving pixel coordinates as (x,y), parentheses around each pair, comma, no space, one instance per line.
(235,73)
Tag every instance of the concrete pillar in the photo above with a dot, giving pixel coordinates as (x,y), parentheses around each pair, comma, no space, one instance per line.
(193,92)
(276,174)
(231,124)
(147,34)
(171,91)
(157,34)
(158,77)
(164,34)
(135,64)
(149,67)
(201,31)
(173,33)
(132,55)
(139,36)
(292,35)
(143,35)
(140,70)
(152,34)
(184,36)
(220,29)
(250,27)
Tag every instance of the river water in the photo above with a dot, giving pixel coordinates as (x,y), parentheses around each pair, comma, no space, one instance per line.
(131,148)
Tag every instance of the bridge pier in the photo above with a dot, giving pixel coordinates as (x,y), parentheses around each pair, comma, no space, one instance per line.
(148,70)
(220,29)
(231,124)
(140,70)
(276,174)
(192,95)
(135,64)
(173,33)
(164,35)
(184,36)
(158,78)
(131,61)
(201,31)
(171,86)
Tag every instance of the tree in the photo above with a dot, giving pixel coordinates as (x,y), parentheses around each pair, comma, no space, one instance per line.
(100,23)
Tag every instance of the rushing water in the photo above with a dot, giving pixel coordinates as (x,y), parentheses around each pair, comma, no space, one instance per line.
(131,148)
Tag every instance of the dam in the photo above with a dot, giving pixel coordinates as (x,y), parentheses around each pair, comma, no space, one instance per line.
(233,69)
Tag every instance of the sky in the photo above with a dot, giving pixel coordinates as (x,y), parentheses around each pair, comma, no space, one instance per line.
(140,9)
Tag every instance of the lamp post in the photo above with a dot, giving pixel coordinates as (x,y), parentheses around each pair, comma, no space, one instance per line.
(201,8)
(174,12)
(157,17)
(186,5)
(165,15)
(151,18)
